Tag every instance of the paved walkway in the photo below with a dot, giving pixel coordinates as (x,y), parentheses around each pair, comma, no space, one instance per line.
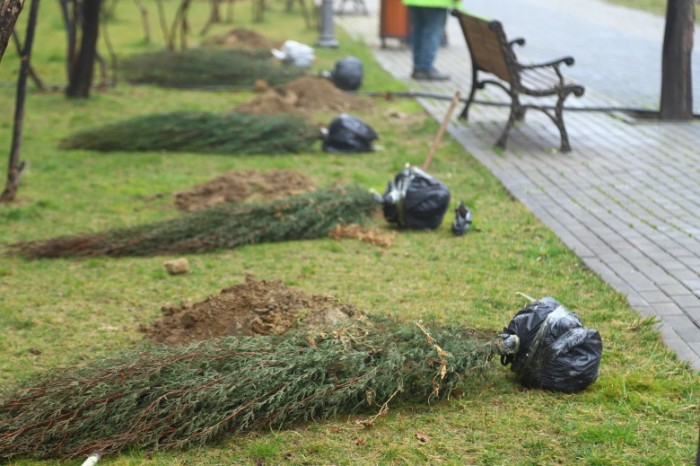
(627,198)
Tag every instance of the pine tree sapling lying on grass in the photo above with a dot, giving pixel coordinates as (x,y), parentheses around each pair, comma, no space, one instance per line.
(175,397)
(230,133)
(206,67)
(306,216)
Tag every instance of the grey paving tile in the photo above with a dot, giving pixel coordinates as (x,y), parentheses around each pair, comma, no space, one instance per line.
(667,309)
(694,313)
(686,300)
(655,297)
(683,349)
(672,289)
(684,327)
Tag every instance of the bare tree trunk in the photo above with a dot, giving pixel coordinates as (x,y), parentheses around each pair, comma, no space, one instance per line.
(164,25)
(180,22)
(144,20)
(104,73)
(9,12)
(676,76)
(214,16)
(32,74)
(82,71)
(69,8)
(110,49)
(184,24)
(15,167)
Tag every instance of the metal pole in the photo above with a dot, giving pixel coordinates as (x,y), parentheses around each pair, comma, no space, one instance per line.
(326,30)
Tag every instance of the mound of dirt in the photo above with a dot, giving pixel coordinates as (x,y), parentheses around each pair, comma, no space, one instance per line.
(305,95)
(248,185)
(252,308)
(241,38)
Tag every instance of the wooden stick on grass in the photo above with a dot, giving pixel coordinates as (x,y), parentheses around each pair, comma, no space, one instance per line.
(441,131)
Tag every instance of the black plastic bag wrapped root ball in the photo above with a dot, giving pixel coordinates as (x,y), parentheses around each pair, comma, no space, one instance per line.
(347,74)
(553,350)
(415,200)
(348,134)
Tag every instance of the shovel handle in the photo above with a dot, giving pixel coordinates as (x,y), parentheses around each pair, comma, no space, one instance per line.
(441,131)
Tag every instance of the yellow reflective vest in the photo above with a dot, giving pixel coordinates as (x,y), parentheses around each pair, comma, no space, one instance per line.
(432,3)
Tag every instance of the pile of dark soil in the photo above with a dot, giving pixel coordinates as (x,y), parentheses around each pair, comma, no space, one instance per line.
(240,38)
(305,95)
(237,186)
(256,307)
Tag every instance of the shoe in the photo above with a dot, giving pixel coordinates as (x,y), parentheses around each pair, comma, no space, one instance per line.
(432,75)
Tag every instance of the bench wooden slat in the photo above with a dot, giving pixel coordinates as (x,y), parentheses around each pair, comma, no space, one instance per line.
(485,46)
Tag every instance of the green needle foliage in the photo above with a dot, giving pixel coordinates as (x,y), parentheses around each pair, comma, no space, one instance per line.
(175,397)
(206,67)
(228,133)
(305,216)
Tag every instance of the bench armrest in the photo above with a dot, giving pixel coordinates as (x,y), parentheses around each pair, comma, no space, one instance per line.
(554,63)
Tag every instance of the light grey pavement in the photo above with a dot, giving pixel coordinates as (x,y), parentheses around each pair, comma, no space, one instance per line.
(627,198)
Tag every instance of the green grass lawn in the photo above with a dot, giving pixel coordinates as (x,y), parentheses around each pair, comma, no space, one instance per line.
(642,410)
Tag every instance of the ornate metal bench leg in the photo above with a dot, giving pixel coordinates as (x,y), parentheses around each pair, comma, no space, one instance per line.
(465,112)
(503,140)
(475,85)
(520,110)
(559,121)
(517,112)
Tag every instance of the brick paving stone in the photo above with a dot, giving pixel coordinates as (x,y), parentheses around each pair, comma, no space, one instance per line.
(684,327)
(686,300)
(687,351)
(686,275)
(696,348)
(654,296)
(634,299)
(673,288)
(692,284)
(667,309)
(694,313)
(659,276)
(646,310)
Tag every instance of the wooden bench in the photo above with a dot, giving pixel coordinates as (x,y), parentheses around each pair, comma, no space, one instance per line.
(491,52)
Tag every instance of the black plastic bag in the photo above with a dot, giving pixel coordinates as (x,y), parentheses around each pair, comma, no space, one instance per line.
(347,133)
(347,74)
(415,200)
(553,350)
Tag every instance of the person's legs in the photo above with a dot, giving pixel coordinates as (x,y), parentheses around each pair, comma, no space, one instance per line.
(427,29)
(417,25)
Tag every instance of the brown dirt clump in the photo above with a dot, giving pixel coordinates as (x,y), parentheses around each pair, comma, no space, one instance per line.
(241,38)
(305,95)
(239,186)
(256,307)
